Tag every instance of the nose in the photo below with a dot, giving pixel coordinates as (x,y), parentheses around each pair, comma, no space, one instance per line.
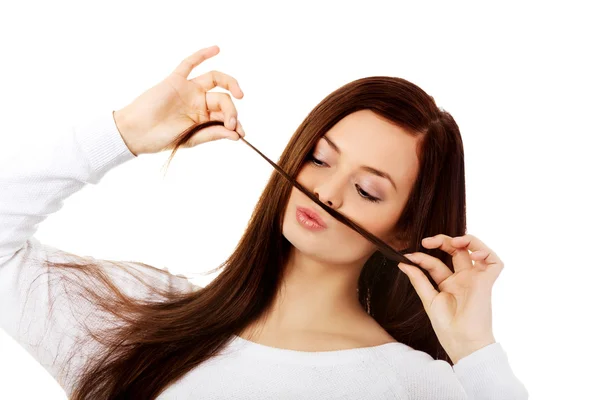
(328,202)
(329,193)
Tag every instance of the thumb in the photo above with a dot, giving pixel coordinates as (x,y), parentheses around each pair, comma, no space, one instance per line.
(212,133)
(419,281)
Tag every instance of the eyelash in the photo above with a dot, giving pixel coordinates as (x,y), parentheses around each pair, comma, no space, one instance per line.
(368,197)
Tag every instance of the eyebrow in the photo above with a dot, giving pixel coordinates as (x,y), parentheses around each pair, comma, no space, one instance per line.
(363,167)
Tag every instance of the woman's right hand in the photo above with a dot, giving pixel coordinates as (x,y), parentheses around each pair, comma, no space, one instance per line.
(154,119)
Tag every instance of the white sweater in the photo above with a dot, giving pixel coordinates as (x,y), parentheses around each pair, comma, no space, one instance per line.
(35,181)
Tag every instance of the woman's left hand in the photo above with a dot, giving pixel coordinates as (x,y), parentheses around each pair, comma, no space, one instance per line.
(461,312)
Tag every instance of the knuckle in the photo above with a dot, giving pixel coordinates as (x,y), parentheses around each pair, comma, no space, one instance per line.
(454,251)
(221,96)
(213,76)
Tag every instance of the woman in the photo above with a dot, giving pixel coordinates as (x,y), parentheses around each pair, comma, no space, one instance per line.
(305,307)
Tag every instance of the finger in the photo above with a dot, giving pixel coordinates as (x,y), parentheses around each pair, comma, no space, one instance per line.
(436,268)
(217,116)
(480,258)
(485,257)
(420,282)
(214,79)
(216,101)
(211,134)
(460,256)
(189,63)
(240,129)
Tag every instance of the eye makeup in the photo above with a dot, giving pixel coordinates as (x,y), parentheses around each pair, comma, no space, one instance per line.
(388,251)
(362,192)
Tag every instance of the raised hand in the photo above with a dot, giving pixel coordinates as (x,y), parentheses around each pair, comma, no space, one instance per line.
(154,119)
(461,312)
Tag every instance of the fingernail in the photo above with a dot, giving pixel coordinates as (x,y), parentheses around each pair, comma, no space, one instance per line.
(232,123)
(403,268)
(409,256)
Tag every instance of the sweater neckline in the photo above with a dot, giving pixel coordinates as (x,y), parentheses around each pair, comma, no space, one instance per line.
(312,357)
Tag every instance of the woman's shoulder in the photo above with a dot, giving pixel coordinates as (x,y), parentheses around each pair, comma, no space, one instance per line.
(374,335)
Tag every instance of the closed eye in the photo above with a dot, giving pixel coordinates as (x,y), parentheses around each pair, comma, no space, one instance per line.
(360,191)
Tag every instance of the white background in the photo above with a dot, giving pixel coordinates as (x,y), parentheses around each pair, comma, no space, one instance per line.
(520,79)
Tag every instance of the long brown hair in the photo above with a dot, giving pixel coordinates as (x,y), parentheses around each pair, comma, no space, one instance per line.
(155,342)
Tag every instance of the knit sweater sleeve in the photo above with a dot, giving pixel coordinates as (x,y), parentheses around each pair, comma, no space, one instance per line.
(487,374)
(482,375)
(35,306)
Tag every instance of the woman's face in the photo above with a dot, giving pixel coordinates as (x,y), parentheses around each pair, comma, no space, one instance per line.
(341,175)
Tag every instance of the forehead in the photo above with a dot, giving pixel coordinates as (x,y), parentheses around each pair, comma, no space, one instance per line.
(365,138)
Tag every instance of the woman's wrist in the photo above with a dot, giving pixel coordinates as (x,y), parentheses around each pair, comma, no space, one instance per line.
(126,130)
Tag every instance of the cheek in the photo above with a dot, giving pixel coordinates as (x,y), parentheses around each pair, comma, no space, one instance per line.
(377,219)
(304,176)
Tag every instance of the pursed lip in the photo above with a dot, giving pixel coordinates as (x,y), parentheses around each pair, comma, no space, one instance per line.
(312,214)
